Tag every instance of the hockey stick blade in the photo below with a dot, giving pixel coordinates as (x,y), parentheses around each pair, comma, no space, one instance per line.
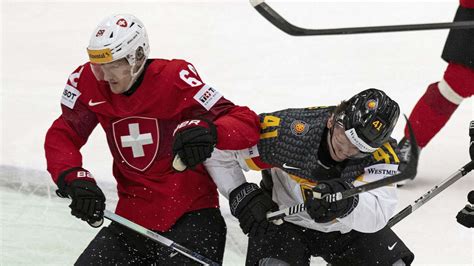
(278,21)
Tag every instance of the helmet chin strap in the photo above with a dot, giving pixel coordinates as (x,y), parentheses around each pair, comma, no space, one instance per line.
(331,131)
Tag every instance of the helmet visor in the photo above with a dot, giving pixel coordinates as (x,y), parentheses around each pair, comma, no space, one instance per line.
(111,72)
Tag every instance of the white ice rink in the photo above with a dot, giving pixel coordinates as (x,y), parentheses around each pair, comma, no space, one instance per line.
(252,63)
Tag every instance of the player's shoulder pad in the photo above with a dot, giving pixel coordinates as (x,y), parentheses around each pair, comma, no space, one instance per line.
(186,79)
(71,90)
(183,74)
(387,153)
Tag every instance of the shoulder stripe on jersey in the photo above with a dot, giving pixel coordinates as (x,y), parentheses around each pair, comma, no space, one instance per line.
(250,163)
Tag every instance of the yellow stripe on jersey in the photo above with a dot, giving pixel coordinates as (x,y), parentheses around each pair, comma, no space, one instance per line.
(252,165)
(303,181)
(306,186)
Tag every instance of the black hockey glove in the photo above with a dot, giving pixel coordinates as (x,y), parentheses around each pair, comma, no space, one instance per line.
(466,215)
(250,205)
(323,211)
(194,141)
(88,201)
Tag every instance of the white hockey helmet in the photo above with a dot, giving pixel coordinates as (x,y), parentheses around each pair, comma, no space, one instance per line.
(117,37)
(120,36)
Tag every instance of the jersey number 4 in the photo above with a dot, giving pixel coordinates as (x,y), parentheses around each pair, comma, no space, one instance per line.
(269,122)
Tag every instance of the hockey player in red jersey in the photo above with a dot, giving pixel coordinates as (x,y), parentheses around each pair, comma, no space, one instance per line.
(441,99)
(139,102)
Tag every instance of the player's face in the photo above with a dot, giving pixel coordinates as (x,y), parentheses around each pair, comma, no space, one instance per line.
(340,147)
(118,74)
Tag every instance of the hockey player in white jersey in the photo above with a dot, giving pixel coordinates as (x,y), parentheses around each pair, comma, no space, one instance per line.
(327,150)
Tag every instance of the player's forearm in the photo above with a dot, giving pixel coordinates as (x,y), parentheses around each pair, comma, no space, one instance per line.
(238,129)
(62,146)
(225,171)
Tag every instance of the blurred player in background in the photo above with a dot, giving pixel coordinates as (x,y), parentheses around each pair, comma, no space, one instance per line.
(442,98)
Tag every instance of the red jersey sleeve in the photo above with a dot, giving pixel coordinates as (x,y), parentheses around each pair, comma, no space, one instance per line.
(467,3)
(237,127)
(70,131)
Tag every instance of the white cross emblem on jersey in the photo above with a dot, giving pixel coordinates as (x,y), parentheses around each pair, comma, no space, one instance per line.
(136,140)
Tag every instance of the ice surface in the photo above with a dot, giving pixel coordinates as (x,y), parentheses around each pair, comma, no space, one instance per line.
(250,62)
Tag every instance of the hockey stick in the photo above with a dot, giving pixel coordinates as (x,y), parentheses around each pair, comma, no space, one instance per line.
(158,238)
(278,21)
(409,172)
(431,193)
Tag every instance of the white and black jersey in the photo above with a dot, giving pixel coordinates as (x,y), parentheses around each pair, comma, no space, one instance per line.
(292,144)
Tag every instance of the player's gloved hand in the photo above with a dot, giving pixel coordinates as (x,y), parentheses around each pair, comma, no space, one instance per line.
(250,205)
(194,141)
(88,201)
(323,211)
(466,215)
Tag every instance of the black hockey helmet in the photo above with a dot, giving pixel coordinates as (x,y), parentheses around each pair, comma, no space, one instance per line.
(368,118)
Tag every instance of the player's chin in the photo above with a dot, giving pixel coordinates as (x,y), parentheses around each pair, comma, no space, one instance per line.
(336,157)
(117,89)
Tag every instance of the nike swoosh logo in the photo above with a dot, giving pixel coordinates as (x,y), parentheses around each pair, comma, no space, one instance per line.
(290,167)
(392,246)
(91,103)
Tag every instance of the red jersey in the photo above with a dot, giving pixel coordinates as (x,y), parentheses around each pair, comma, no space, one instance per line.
(139,128)
(467,3)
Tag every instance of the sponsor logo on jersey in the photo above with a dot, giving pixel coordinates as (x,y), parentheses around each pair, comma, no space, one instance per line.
(250,152)
(286,166)
(378,171)
(137,141)
(392,246)
(299,128)
(70,96)
(207,97)
(382,171)
(100,56)
(91,103)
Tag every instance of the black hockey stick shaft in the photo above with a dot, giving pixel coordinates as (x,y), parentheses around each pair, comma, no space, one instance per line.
(278,21)
(158,238)
(431,194)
